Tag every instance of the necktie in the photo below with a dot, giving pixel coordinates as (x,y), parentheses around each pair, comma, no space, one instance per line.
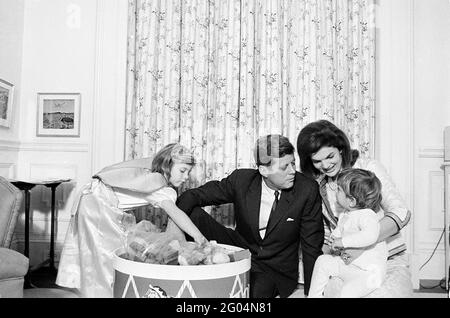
(262,230)
(275,202)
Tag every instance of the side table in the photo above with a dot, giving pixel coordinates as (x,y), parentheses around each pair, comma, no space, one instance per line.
(26,186)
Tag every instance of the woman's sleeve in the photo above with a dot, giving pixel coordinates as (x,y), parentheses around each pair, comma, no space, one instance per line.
(392,203)
(337,230)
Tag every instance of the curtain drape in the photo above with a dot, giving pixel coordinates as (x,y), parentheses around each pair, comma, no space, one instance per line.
(215,75)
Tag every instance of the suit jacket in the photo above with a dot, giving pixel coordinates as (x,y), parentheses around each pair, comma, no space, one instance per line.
(297,219)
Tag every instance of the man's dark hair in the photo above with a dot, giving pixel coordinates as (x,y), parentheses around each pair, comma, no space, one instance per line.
(271,146)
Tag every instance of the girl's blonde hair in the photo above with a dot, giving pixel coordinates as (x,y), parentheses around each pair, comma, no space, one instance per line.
(170,154)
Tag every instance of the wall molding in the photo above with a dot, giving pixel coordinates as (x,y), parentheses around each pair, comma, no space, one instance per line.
(10,167)
(70,170)
(430,246)
(54,147)
(431,152)
(9,145)
(435,209)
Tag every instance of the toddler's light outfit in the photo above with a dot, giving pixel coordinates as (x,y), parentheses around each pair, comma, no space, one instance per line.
(358,229)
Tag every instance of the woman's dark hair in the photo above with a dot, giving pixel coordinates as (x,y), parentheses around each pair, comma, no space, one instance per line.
(318,134)
(271,146)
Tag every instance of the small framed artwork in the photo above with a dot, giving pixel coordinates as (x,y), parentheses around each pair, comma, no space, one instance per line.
(58,115)
(6,102)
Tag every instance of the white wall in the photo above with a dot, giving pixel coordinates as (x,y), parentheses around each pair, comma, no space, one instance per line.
(58,57)
(69,46)
(431,115)
(11,38)
(413,107)
(394,96)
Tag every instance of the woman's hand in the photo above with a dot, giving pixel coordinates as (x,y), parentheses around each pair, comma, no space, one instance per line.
(336,243)
(326,249)
(347,255)
(350,254)
(387,228)
(328,240)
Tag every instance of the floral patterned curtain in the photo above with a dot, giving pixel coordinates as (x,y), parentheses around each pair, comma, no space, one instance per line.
(215,75)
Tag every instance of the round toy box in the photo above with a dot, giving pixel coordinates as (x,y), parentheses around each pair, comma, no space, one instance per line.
(143,280)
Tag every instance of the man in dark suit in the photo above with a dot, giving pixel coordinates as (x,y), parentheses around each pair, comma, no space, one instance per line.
(275,209)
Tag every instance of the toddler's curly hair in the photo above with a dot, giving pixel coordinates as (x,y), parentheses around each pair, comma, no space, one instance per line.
(362,185)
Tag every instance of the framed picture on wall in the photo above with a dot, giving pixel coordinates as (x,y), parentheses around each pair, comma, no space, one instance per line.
(58,115)
(6,102)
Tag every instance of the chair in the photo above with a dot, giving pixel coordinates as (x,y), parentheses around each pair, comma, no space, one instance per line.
(13,265)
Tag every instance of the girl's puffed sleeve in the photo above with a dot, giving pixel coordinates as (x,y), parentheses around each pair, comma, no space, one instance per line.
(166,193)
(392,202)
(131,199)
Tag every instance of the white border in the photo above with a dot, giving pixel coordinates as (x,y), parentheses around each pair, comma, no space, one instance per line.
(75,132)
(10,87)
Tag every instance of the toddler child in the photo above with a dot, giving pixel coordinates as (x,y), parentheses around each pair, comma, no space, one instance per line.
(359,194)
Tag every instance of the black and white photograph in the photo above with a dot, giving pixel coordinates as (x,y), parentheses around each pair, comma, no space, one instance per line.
(58,114)
(231,155)
(6,102)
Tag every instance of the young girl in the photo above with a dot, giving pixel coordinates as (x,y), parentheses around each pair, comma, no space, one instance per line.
(359,195)
(99,218)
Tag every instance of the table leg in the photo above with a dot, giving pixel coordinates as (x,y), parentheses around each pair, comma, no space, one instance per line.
(27,283)
(52,232)
(27,223)
(26,187)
